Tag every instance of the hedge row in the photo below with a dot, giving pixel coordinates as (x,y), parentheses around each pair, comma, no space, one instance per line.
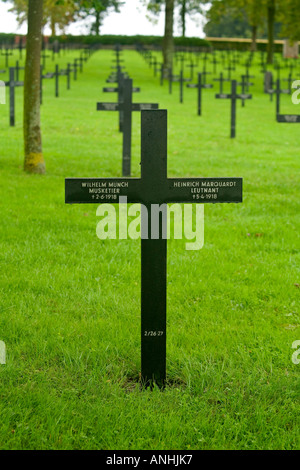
(130,40)
(115,39)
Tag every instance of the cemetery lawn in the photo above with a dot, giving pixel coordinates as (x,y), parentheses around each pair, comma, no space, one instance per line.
(70,303)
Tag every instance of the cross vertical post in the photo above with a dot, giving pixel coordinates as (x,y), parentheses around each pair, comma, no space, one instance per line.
(233,109)
(153,253)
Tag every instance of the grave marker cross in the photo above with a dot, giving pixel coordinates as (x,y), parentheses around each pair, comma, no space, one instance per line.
(287,118)
(12,85)
(233,97)
(199,86)
(6,53)
(154,187)
(127,107)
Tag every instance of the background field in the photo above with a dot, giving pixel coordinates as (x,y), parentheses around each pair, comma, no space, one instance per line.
(70,303)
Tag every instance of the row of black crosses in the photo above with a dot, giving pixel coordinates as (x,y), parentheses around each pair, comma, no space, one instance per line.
(55,48)
(201,84)
(13,81)
(234,95)
(124,106)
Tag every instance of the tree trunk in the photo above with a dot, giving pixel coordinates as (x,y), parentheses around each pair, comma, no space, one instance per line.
(271,21)
(34,161)
(53,26)
(98,23)
(254,37)
(168,42)
(183,15)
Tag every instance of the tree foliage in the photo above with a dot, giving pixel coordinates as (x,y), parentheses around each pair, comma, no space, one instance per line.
(97,9)
(56,13)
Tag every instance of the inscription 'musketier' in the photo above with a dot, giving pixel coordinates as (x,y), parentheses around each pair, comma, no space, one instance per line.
(183,190)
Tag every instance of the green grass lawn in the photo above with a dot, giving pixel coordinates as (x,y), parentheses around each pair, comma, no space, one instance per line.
(70,303)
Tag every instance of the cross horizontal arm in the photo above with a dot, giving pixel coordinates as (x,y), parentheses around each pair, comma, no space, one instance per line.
(171,190)
(120,106)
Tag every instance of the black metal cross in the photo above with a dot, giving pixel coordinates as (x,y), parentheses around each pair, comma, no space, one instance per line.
(233,96)
(6,53)
(279,92)
(12,85)
(287,118)
(229,69)
(290,80)
(245,86)
(44,56)
(17,69)
(120,91)
(154,189)
(199,86)
(181,82)
(221,80)
(204,73)
(191,65)
(215,62)
(127,106)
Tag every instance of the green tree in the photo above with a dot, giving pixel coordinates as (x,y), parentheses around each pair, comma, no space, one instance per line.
(96,9)
(290,17)
(155,7)
(188,7)
(56,13)
(34,161)
(248,12)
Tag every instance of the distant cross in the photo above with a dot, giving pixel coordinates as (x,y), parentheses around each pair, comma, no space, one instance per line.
(204,73)
(245,87)
(289,118)
(17,69)
(12,85)
(127,106)
(248,76)
(75,67)
(221,80)
(7,54)
(120,91)
(215,62)
(199,87)
(233,97)
(278,68)
(191,65)
(172,78)
(20,47)
(181,82)
(229,69)
(44,56)
(153,190)
(278,91)
(290,80)
(80,60)
(67,72)
(63,72)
